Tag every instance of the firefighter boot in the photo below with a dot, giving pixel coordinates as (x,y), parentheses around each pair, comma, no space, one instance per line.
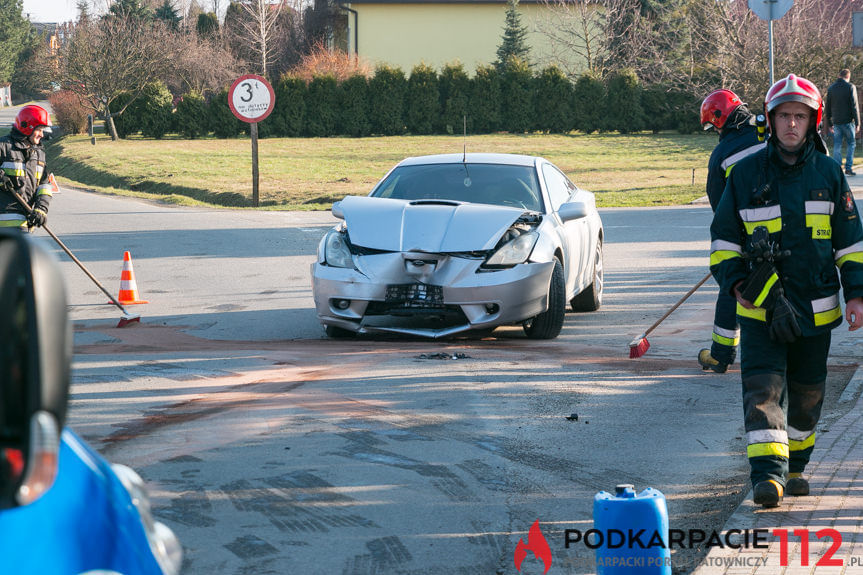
(796,485)
(767,493)
(707,362)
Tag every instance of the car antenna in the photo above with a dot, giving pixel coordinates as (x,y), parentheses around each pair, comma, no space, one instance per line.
(464,135)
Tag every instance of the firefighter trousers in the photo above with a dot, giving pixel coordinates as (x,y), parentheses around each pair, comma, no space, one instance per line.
(783,391)
(726,332)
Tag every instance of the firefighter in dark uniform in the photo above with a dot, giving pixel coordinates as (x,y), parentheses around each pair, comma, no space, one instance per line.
(22,169)
(725,112)
(785,230)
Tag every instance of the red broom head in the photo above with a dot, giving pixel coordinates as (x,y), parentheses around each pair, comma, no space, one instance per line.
(638,348)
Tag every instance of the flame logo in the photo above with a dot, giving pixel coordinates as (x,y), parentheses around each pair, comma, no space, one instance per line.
(537,544)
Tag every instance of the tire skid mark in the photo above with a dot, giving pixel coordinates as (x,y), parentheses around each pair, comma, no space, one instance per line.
(296,502)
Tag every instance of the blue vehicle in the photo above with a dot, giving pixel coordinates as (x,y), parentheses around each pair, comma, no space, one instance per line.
(64,509)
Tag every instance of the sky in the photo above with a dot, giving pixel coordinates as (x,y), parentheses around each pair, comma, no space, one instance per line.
(50,10)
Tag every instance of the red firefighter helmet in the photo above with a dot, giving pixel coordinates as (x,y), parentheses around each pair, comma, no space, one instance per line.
(31,117)
(794,89)
(716,108)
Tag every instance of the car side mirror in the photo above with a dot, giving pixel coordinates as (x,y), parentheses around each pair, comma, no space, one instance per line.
(572,211)
(35,360)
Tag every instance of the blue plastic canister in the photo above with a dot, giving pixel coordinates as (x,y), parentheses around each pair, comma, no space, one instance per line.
(633,531)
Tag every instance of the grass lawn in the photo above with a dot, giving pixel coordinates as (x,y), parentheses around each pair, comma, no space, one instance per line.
(311,173)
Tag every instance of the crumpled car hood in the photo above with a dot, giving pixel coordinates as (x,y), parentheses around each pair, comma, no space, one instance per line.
(432,226)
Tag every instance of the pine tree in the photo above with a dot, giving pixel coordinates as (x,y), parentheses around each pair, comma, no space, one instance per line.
(168,14)
(14,29)
(514,41)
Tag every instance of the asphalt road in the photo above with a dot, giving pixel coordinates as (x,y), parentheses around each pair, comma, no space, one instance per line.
(270,449)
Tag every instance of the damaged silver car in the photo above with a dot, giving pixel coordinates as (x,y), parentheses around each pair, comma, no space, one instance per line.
(451,243)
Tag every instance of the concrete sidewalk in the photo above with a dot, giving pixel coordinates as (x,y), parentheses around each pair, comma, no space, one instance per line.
(834,505)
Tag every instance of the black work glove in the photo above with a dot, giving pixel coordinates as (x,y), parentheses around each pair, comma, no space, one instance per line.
(37,218)
(5,182)
(762,287)
(782,321)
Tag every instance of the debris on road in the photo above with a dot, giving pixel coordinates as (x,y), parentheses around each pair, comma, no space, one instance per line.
(443,355)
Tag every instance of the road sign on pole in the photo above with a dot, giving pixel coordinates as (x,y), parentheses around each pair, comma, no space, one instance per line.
(251,99)
(770,10)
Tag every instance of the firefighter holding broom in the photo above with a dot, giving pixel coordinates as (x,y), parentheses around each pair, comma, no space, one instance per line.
(725,112)
(22,170)
(784,232)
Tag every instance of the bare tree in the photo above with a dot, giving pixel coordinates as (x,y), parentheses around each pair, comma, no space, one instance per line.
(699,45)
(202,65)
(259,26)
(112,56)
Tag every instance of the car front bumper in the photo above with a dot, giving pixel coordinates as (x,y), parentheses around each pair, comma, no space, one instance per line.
(356,299)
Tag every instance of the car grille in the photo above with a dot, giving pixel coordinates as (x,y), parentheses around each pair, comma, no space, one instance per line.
(418,296)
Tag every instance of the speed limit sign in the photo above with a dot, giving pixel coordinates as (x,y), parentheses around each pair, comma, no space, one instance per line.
(251,98)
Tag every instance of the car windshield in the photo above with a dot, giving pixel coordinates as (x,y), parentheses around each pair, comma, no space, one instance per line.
(494,184)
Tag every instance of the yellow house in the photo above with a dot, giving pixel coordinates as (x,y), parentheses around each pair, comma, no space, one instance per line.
(404,33)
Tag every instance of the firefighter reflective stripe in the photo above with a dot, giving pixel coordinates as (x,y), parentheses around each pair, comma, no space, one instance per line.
(13,168)
(826,310)
(720,250)
(765,291)
(729,162)
(38,174)
(800,440)
(44,190)
(818,218)
(758,313)
(769,217)
(762,442)
(853,253)
(12,220)
(729,337)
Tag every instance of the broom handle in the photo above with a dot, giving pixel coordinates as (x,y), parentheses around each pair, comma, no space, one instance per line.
(675,306)
(69,253)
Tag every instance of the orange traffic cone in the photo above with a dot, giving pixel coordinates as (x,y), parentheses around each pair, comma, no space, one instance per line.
(128,287)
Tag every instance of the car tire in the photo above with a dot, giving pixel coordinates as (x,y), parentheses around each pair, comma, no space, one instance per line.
(336,332)
(591,298)
(548,324)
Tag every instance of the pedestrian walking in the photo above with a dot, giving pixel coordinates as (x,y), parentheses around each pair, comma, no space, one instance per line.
(724,112)
(843,118)
(785,231)
(22,169)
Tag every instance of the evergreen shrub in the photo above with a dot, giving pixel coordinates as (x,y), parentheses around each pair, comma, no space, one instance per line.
(386,101)
(354,107)
(321,106)
(192,116)
(553,101)
(422,106)
(484,102)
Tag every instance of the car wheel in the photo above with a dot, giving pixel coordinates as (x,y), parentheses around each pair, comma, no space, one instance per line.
(548,324)
(336,332)
(591,298)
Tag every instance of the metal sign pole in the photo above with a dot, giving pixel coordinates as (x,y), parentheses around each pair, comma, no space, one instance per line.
(251,99)
(770,10)
(254,131)
(770,50)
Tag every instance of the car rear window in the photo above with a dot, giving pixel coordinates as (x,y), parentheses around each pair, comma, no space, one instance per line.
(494,184)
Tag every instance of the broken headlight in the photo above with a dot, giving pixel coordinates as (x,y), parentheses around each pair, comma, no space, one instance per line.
(513,252)
(336,250)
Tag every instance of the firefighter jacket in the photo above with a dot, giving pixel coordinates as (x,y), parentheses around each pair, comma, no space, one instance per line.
(808,210)
(736,141)
(24,165)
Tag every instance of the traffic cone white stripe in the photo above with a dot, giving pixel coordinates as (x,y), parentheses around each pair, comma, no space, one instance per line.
(128,287)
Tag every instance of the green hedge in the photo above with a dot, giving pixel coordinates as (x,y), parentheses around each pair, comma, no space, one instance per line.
(514,98)
(386,101)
